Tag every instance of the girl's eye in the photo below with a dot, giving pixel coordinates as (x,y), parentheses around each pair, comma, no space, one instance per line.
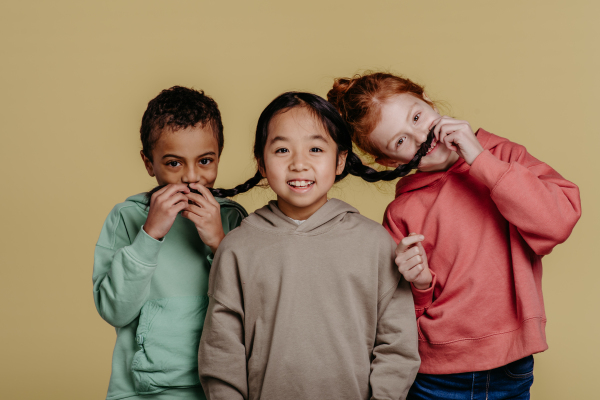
(315,150)
(400,142)
(205,161)
(416,117)
(283,150)
(173,163)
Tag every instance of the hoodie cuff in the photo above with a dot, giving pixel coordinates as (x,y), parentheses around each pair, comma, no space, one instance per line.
(424,298)
(488,169)
(145,248)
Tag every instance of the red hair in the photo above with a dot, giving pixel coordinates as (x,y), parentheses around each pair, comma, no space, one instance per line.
(359,99)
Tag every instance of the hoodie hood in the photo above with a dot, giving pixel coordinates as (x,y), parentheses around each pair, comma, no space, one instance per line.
(420,180)
(140,200)
(271,218)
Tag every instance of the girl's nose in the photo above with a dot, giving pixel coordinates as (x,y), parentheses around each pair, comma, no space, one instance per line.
(298,163)
(420,137)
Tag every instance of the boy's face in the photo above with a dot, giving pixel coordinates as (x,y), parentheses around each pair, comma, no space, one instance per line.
(189,155)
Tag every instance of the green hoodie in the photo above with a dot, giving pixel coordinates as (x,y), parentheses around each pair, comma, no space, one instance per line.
(154,292)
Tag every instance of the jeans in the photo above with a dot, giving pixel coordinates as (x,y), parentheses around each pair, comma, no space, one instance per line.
(511,381)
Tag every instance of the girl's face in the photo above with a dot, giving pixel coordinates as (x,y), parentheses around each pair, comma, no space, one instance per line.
(189,155)
(405,122)
(300,162)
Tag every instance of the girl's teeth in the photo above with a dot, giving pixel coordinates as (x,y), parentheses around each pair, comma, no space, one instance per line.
(300,183)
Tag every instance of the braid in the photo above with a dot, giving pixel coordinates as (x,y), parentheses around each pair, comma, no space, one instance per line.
(244,187)
(355,166)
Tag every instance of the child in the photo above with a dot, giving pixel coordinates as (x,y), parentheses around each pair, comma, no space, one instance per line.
(305,299)
(484,212)
(151,265)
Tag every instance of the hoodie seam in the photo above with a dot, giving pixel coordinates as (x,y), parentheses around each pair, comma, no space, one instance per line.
(387,291)
(278,232)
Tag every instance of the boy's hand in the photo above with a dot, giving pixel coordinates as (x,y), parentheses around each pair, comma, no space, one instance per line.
(412,261)
(165,204)
(459,137)
(205,213)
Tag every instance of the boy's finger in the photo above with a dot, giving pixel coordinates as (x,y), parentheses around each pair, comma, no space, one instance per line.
(175,188)
(198,199)
(206,193)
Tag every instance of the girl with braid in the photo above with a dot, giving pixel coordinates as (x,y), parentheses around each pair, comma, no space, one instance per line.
(305,299)
(472,226)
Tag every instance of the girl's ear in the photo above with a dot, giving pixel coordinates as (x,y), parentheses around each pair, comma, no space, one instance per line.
(147,164)
(387,162)
(341,162)
(261,169)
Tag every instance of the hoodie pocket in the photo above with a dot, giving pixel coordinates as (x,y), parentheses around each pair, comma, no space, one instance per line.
(168,336)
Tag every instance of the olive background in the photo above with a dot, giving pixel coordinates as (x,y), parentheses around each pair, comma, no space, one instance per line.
(75,78)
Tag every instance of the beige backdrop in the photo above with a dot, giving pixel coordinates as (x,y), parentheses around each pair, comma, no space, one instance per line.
(76,77)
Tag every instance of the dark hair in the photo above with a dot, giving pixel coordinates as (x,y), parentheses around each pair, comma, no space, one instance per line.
(179,108)
(337,129)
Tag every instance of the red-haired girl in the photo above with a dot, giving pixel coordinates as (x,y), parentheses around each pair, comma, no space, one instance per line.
(472,226)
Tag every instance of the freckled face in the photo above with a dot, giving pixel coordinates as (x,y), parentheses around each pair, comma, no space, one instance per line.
(189,155)
(300,162)
(405,122)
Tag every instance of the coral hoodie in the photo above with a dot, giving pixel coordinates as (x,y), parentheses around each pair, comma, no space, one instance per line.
(486,228)
(310,311)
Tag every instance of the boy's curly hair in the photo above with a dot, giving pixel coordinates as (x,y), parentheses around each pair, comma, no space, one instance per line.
(179,108)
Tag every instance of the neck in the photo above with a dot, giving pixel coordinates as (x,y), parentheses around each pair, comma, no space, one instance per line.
(300,213)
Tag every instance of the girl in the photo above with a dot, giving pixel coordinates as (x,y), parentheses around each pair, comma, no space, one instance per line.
(486,212)
(305,299)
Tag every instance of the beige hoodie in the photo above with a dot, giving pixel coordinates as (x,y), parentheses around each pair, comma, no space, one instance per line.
(309,311)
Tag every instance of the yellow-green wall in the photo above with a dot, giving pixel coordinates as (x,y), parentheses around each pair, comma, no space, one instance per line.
(76,76)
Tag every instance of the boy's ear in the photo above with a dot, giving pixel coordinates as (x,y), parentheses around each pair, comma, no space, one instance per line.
(147,164)
(387,162)
(341,162)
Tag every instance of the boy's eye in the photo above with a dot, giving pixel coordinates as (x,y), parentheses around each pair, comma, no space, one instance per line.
(400,142)
(282,150)
(173,163)
(416,117)
(315,150)
(205,161)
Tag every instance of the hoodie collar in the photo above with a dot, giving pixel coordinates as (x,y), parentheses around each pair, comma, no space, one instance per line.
(419,180)
(270,217)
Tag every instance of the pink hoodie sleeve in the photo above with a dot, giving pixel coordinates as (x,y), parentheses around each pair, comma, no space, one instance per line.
(540,203)
(422,298)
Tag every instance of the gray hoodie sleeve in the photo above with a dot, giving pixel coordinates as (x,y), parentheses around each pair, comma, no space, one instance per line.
(395,356)
(222,352)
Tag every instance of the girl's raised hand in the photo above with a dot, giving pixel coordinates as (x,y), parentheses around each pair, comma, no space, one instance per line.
(459,137)
(205,213)
(412,261)
(165,204)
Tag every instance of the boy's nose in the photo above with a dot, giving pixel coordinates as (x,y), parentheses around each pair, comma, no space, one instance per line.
(191,175)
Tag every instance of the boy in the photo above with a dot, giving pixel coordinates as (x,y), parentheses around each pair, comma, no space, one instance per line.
(151,264)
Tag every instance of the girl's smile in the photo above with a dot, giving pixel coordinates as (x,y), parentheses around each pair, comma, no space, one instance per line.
(300,162)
